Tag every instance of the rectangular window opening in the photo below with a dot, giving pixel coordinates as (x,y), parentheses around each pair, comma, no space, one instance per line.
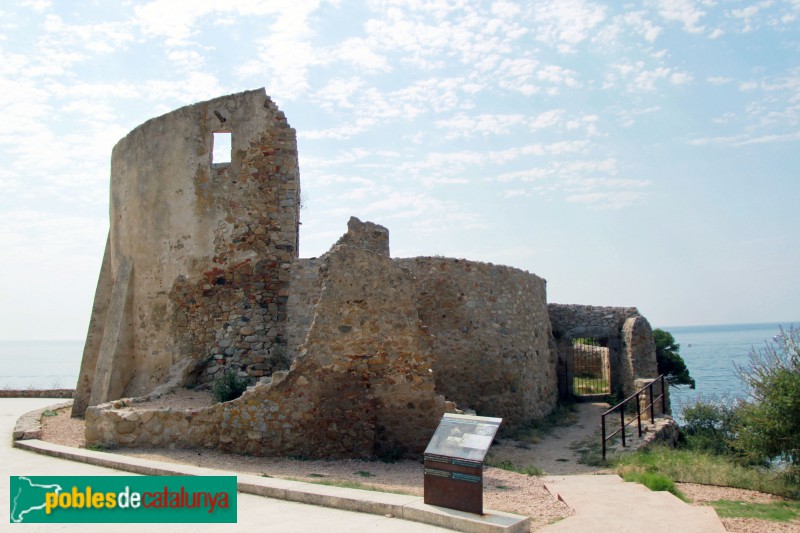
(221,147)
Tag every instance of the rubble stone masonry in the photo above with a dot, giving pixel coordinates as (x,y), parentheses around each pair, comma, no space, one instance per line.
(490,329)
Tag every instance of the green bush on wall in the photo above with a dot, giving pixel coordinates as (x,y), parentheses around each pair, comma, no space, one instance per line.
(229,387)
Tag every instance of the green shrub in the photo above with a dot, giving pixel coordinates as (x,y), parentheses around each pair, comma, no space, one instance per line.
(653,481)
(229,387)
(770,421)
(710,425)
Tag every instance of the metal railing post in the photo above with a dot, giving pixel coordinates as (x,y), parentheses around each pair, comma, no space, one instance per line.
(603,428)
(652,404)
(663,396)
(639,414)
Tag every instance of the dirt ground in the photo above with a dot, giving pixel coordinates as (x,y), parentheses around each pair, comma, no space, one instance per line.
(556,453)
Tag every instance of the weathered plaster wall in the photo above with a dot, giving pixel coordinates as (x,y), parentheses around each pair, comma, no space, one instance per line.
(490,330)
(208,248)
(631,349)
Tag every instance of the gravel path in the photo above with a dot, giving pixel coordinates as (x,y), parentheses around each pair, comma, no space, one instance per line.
(503,490)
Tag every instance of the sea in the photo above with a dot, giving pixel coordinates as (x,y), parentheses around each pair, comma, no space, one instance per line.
(710,352)
(40,364)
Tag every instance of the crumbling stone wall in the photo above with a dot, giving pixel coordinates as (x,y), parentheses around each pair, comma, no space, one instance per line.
(196,272)
(361,385)
(490,330)
(630,340)
(305,282)
(305,286)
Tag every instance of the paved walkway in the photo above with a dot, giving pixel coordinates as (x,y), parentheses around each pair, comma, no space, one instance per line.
(255,513)
(604,503)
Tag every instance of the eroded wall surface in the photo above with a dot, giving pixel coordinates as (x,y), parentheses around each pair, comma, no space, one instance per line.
(490,329)
(361,385)
(207,247)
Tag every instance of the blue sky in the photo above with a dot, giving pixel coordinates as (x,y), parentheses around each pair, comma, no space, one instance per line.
(634,154)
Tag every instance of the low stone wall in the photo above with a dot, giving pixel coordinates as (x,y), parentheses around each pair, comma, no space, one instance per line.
(29,425)
(121,424)
(38,393)
(666,432)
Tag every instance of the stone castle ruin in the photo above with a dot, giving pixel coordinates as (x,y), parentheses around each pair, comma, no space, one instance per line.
(352,354)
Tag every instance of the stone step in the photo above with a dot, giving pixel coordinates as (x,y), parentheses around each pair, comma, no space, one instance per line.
(605,503)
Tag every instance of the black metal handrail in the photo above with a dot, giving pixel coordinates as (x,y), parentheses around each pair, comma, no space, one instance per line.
(621,407)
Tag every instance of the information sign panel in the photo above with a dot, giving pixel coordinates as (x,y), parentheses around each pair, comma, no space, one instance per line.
(454,461)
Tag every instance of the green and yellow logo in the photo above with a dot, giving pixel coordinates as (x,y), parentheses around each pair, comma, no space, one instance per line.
(122,499)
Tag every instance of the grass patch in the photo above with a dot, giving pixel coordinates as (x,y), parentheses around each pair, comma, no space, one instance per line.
(316,475)
(775,511)
(508,465)
(49,412)
(99,448)
(699,467)
(590,385)
(364,473)
(654,481)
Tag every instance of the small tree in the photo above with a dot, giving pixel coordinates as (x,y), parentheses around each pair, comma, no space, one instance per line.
(670,362)
(770,418)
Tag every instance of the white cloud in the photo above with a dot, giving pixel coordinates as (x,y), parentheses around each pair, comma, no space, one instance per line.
(37,5)
(685,12)
(465,126)
(719,80)
(608,200)
(642,25)
(515,193)
(680,78)
(359,53)
(96,38)
(566,23)
(748,13)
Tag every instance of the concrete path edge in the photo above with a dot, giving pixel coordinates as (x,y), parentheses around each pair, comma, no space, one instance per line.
(406,507)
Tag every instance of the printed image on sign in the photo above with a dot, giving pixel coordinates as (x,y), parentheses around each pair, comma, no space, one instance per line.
(463,436)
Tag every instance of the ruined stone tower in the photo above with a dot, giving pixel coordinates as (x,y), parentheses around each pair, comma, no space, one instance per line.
(197,257)
(352,354)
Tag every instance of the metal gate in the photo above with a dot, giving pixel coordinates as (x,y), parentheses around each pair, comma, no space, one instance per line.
(590,366)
